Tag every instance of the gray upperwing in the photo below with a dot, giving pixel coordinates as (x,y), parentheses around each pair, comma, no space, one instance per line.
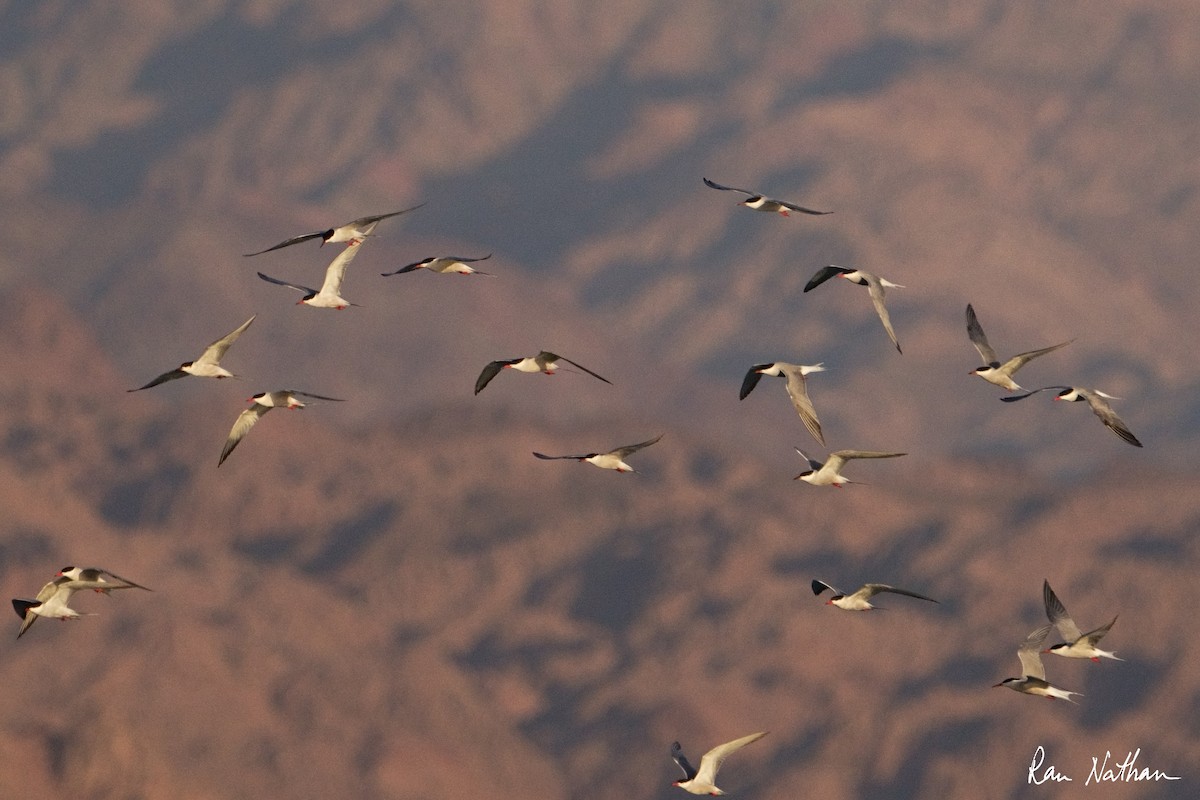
(978,338)
(876,290)
(797,389)
(1030,653)
(1056,612)
(585,369)
(621,452)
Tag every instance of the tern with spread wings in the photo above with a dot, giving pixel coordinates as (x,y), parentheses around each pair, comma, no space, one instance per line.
(760,202)
(444,265)
(261,403)
(1077,644)
(1096,399)
(829,473)
(797,389)
(704,779)
(993,371)
(613,459)
(330,293)
(352,232)
(544,362)
(208,365)
(860,600)
(876,287)
(1033,678)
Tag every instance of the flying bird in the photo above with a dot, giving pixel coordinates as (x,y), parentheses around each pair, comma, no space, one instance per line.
(704,780)
(828,474)
(330,293)
(759,202)
(261,403)
(1033,679)
(1077,645)
(208,365)
(352,232)
(51,603)
(797,389)
(98,580)
(443,265)
(1095,398)
(544,361)
(613,459)
(993,371)
(876,287)
(860,600)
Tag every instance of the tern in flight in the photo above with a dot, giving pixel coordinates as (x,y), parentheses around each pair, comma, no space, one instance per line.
(545,362)
(704,780)
(1033,679)
(51,603)
(860,600)
(1077,645)
(876,287)
(352,232)
(443,265)
(797,389)
(993,371)
(98,580)
(613,459)
(759,202)
(1095,398)
(330,293)
(208,365)
(261,403)
(828,474)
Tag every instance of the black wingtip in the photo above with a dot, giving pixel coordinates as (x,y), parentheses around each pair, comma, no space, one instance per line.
(818,586)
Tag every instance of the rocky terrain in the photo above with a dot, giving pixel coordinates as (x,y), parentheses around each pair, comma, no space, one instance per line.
(390,597)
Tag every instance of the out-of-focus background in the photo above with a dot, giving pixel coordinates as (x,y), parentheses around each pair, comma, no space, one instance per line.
(390,597)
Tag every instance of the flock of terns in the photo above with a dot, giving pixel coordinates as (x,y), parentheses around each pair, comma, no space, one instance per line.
(53,599)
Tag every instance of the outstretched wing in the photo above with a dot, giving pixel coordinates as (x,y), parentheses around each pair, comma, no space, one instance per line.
(875,289)
(296,286)
(979,339)
(585,369)
(1021,359)
(1104,411)
(824,274)
(797,389)
(241,426)
(715,185)
(622,452)
(689,771)
(1029,653)
(1012,398)
(216,351)
(166,376)
(490,371)
(801,209)
(875,588)
(335,273)
(711,761)
(1056,612)
(555,458)
(289,242)
(820,586)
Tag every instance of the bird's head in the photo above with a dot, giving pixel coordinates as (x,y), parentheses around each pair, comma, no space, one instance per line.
(1070,395)
(326,236)
(68,572)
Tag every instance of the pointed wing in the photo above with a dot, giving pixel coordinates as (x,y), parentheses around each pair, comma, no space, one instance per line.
(416,265)
(824,274)
(820,586)
(315,396)
(1092,637)
(335,273)
(711,761)
(979,339)
(689,771)
(296,286)
(801,209)
(585,369)
(875,289)
(873,589)
(1029,653)
(797,389)
(1012,398)
(289,242)
(812,464)
(216,351)
(753,376)
(490,371)
(166,376)
(1056,612)
(622,452)
(90,581)
(241,426)
(846,455)
(555,458)
(1104,411)
(715,185)
(1021,359)
(362,222)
